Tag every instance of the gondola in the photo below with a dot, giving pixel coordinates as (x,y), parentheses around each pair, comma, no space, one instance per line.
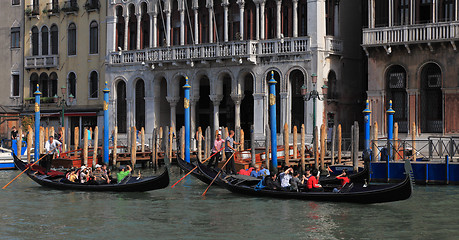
(358,177)
(187,167)
(354,193)
(129,184)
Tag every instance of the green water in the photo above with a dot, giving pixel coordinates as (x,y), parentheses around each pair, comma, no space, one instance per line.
(29,211)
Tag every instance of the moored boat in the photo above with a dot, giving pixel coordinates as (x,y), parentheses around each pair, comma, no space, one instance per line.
(129,184)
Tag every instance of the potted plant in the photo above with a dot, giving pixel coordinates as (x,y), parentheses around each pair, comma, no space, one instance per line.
(28,11)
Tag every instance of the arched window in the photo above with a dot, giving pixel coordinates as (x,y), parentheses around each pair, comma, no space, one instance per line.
(34,41)
(53,84)
(93,85)
(33,83)
(119,28)
(332,88)
(396,91)
(72,39)
(44,40)
(71,84)
(54,40)
(44,88)
(431,99)
(93,38)
(296,78)
(121,114)
(140,104)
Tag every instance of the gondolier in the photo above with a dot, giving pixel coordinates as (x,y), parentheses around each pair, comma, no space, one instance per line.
(51,147)
(229,150)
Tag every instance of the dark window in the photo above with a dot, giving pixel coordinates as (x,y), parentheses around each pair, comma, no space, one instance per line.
(332,88)
(330,16)
(15,37)
(297,110)
(424,12)
(33,83)
(93,85)
(403,14)
(44,87)
(94,38)
(53,84)
(140,104)
(431,99)
(396,91)
(381,13)
(44,41)
(54,40)
(71,85)
(16,2)
(72,39)
(34,41)
(121,114)
(15,85)
(303,23)
(119,28)
(447,10)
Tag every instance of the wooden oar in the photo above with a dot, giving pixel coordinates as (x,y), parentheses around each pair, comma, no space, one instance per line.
(213,180)
(26,169)
(195,168)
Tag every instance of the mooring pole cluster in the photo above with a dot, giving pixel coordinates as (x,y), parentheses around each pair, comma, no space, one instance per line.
(186,105)
(106,125)
(272,116)
(37,124)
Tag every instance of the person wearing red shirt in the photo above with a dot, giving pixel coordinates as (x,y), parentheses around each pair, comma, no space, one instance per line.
(313,185)
(343,177)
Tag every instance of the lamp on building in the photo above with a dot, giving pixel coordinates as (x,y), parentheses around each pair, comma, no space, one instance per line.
(62,102)
(314,95)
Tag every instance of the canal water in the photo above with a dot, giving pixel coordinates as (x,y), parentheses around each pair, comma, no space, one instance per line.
(29,211)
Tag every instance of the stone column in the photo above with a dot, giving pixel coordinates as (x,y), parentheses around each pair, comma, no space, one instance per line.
(211,24)
(262,20)
(155,29)
(126,31)
(371,13)
(278,18)
(151,31)
(130,113)
(139,30)
(434,11)
(412,11)
(225,20)
(456,9)
(216,99)
(173,104)
(182,26)
(241,18)
(156,112)
(284,112)
(111,34)
(391,12)
(193,106)
(196,26)
(258,114)
(295,18)
(149,114)
(257,21)
(237,99)
(168,27)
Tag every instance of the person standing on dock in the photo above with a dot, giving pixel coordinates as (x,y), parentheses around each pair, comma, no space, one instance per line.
(229,150)
(51,147)
(215,150)
(14,133)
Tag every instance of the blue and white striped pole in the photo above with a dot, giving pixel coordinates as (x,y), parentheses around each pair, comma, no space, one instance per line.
(37,124)
(106,124)
(186,105)
(272,118)
(367,121)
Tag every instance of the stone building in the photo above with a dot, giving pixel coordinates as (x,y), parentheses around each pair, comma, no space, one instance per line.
(11,69)
(65,49)
(228,50)
(412,59)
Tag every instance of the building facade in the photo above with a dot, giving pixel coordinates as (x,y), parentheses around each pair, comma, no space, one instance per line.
(412,54)
(11,69)
(229,49)
(65,54)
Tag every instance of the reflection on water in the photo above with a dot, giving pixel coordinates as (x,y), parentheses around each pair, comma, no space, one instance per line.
(29,211)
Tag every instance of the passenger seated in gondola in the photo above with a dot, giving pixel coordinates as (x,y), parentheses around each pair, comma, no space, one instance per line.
(313,185)
(344,179)
(271,182)
(246,172)
(123,173)
(108,173)
(255,171)
(285,177)
(99,176)
(84,174)
(296,183)
(72,176)
(263,171)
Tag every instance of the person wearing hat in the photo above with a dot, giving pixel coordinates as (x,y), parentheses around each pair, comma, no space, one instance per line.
(123,173)
(84,173)
(99,175)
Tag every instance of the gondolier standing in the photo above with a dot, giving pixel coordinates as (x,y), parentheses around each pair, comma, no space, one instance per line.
(51,147)
(229,150)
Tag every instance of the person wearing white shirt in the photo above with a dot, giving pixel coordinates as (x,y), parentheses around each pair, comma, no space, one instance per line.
(51,148)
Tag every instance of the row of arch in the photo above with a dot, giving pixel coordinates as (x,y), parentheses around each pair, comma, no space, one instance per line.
(49,84)
(46,41)
(431,96)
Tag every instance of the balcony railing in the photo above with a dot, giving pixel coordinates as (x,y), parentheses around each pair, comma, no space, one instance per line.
(409,34)
(214,51)
(32,10)
(41,61)
(70,6)
(92,5)
(52,8)
(333,45)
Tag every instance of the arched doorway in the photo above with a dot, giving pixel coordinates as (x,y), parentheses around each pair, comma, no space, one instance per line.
(278,100)
(296,78)
(139,104)
(119,28)
(226,105)
(396,91)
(204,107)
(121,115)
(164,106)
(431,99)
(180,109)
(247,106)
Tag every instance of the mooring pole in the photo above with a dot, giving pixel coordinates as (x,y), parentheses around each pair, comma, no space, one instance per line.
(390,136)
(186,105)
(272,115)
(367,121)
(106,120)
(37,124)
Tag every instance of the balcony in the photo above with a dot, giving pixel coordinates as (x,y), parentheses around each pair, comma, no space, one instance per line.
(51,9)
(92,5)
(70,7)
(411,34)
(333,45)
(35,62)
(32,10)
(249,50)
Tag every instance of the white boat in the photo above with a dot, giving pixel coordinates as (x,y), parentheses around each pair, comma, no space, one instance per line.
(6,158)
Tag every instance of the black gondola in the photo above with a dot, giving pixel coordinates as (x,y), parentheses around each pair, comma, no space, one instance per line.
(187,167)
(355,193)
(129,184)
(358,177)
